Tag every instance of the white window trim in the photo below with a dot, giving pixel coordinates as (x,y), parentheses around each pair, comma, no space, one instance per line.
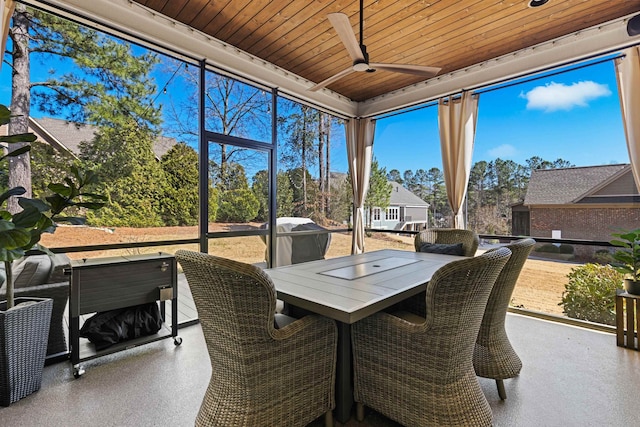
(393,213)
(376,214)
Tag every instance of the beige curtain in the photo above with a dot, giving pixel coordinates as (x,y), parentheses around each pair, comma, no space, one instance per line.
(457,123)
(359,133)
(7,7)
(628,75)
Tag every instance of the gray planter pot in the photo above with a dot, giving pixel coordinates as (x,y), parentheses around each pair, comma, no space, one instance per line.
(632,286)
(23,346)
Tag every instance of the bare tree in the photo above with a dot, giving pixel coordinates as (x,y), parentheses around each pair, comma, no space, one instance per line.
(231,108)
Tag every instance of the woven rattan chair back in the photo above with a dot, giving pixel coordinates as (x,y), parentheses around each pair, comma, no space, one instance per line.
(468,238)
(494,357)
(454,301)
(419,372)
(261,376)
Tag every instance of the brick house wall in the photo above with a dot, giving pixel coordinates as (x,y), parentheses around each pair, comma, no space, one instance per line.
(594,223)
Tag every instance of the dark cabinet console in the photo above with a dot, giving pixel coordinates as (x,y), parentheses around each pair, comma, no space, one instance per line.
(101,284)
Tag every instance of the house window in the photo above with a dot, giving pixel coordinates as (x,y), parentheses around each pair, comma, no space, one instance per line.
(393,214)
(376,214)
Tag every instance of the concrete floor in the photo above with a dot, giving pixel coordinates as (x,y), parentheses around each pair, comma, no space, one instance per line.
(571,377)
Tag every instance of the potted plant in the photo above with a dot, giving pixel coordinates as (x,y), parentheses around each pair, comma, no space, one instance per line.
(628,259)
(24,322)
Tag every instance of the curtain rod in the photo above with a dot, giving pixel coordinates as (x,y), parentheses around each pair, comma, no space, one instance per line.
(409,110)
(512,80)
(542,76)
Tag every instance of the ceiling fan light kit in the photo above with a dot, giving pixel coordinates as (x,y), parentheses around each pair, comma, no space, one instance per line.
(361,66)
(360,57)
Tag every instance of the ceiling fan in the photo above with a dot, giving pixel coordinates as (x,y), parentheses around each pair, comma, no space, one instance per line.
(359,55)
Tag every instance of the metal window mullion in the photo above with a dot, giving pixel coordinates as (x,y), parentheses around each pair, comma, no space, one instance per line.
(203,169)
(273,179)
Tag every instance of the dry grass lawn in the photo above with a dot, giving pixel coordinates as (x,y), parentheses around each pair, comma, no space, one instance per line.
(539,288)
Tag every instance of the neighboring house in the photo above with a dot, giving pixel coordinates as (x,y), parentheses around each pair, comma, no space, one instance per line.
(578,203)
(66,136)
(406,211)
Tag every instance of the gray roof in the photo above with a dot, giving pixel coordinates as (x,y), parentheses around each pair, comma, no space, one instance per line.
(400,196)
(68,136)
(566,186)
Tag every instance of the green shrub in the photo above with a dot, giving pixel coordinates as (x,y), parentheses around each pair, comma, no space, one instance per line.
(547,247)
(237,206)
(565,249)
(590,293)
(603,256)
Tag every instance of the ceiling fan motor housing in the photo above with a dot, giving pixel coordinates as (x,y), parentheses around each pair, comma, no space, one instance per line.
(362,65)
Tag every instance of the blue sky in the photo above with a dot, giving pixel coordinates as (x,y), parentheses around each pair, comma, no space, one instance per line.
(574,116)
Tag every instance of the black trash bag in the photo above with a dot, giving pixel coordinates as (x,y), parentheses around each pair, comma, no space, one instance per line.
(109,327)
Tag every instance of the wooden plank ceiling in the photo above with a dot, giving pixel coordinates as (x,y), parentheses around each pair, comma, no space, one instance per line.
(452,34)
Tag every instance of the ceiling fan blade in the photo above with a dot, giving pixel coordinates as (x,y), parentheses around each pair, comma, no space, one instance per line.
(418,70)
(331,79)
(341,24)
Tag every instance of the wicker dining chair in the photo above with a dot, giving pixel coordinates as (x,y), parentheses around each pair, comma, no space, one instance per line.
(419,371)
(261,375)
(494,357)
(468,238)
(443,236)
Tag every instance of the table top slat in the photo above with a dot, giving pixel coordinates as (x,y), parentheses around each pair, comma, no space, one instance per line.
(349,300)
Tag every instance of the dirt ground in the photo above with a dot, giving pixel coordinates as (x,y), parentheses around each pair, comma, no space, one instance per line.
(539,287)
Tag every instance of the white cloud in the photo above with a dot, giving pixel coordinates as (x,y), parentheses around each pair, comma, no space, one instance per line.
(558,96)
(503,151)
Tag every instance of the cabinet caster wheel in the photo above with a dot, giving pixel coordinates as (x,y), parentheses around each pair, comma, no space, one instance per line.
(78,371)
(177,341)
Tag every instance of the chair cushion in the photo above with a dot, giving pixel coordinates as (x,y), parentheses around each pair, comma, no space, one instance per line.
(59,263)
(408,316)
(442,248)
(31,270)
(282,320)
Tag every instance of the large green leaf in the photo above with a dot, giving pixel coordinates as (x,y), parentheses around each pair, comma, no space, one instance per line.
(45,225)
(19,137)
(61,189)
(6,225)
(16,191)
(619,243)
(57,202)
(27,218)
(17,152)
(629,256)
(37,204)
(10,254)
(12,237)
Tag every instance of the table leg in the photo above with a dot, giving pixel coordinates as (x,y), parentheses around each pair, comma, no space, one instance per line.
(344,376)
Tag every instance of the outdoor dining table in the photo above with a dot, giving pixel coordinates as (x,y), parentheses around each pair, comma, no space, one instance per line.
(350,288)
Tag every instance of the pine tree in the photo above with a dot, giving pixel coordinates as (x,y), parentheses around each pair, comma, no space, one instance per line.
(180,204)
(108,87)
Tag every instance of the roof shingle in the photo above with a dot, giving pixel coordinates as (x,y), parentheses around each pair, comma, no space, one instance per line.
(564,186)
